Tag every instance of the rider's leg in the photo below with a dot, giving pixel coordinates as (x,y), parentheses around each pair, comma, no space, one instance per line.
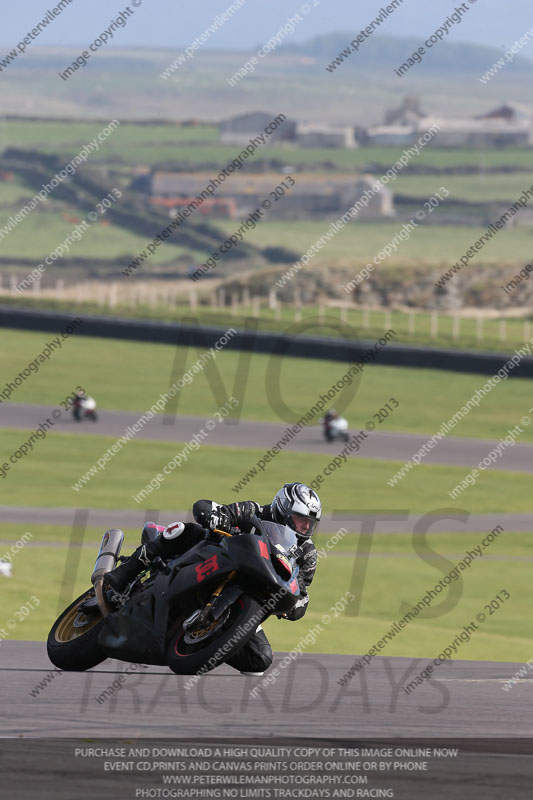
(255,656)
(173,541)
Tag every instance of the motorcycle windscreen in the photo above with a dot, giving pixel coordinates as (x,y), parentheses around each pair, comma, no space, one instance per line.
(280,534)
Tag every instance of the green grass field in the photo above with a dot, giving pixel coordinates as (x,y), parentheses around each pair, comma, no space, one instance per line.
(151,144)
(481,188)
(38,570)
(429,246)
(355,246)
(46,476)
(107,368)
(49,229)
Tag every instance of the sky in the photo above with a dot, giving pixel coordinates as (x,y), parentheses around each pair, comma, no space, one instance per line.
(175,24)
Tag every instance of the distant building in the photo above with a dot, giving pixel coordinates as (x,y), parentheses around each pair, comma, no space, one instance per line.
(240,130)
(391,136)
(505,126)
(481,132)
(408,113)
(241,193)
(325,136)
(509,112)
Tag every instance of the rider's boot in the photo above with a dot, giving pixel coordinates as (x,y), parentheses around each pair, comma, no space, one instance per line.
(139,560)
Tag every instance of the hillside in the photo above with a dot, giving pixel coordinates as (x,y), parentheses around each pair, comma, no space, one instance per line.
(127,84)
(383,53)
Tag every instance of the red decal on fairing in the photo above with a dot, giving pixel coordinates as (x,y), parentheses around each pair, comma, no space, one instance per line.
(293,586)
(263,549)
(207,568)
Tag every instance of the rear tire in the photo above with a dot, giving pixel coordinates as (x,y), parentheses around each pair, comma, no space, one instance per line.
(73,641)
(189,659)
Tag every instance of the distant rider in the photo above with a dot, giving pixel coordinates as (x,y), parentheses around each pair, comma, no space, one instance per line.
(327,420)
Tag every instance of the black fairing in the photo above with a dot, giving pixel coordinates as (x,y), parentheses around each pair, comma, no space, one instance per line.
(139,631)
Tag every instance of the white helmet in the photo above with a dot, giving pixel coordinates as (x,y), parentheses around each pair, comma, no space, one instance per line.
(299,507)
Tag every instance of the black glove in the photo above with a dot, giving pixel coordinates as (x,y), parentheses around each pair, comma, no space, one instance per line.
(298,609)
(240,514)
(220,520)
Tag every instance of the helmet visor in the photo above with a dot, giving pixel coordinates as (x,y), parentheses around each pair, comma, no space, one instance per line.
(303,525)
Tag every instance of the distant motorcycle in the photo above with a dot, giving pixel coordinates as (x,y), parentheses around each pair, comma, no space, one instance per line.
(84,407)
(336,428)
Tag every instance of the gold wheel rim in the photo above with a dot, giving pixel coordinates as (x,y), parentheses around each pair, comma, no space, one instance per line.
(66,630)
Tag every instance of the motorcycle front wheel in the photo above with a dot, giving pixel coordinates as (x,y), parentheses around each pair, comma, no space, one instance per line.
(193,658)
(73,641)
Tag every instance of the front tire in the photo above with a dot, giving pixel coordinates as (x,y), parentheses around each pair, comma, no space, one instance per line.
(189,659)
(73,641)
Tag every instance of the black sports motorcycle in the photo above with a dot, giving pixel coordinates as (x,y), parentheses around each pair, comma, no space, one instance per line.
(192,612)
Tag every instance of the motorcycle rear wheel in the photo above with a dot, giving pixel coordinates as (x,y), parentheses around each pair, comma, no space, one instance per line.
(186,658)
(73,641)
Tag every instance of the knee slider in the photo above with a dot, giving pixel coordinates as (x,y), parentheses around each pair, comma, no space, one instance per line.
(173,530)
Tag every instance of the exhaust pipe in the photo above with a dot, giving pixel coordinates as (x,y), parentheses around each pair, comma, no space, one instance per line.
(105,562)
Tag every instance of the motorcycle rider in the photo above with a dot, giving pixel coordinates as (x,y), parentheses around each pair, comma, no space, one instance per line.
(329,416)
(80,398)
(295,505)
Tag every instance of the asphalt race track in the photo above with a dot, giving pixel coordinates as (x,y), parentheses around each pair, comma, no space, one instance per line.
(463,707)
(465,699)
(451,451)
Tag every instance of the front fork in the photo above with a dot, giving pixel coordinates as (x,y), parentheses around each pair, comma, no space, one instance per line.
(201,616)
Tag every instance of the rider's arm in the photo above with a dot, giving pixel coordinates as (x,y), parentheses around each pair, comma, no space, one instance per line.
(234,515)
(307,563)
